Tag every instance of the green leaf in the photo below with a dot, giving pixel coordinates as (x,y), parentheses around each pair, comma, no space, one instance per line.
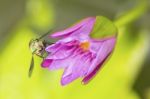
(103,28)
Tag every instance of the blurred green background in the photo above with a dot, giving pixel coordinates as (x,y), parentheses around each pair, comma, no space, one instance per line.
(124,76)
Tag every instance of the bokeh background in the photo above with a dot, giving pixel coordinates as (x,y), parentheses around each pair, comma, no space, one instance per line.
(125,76)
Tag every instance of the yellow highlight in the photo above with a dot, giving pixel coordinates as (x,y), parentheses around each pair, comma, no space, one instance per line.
(85,45)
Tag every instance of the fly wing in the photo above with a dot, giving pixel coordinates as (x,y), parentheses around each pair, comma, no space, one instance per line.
(45,34)
(31,67)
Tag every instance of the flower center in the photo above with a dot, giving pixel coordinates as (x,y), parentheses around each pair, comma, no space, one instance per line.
(85,45)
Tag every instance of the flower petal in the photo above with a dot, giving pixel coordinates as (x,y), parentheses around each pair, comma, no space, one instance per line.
(61,43)
(53,48)
(61,50)
(57,64)
(67,79)
(61,63)
(76,68)
(106,48)
(62,53)
(75,28)
(46,63)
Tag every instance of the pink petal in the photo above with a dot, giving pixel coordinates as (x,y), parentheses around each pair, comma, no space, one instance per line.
(61,63)
(62,53)
(54,64)
(76,68)
(68,79)
(57,64)
(106,48)
(46,63)
(61,44)
(53,48)
(75,28)
(93,73)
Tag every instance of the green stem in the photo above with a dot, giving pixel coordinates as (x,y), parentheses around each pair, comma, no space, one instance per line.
(133,14)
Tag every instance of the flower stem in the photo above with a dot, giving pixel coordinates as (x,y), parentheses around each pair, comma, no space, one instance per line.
(133,14)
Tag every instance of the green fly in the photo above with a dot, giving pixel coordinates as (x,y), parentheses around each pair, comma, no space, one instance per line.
(37,47)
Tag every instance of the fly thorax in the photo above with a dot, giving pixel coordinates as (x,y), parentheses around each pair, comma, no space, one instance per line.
(37,47)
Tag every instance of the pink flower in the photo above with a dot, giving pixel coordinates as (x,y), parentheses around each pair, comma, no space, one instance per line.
(77,53)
